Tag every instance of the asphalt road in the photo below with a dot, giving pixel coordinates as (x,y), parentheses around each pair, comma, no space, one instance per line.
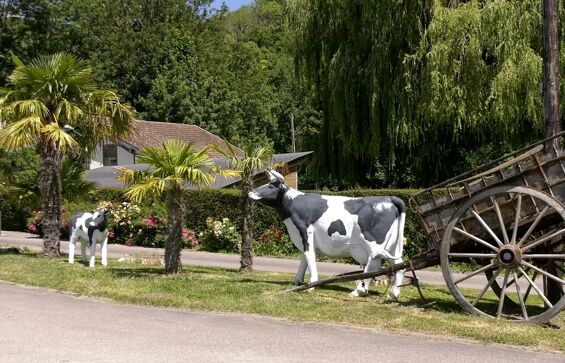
(39,325)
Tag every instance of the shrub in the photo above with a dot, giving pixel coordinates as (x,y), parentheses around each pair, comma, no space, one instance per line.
(220,236)
(274,242)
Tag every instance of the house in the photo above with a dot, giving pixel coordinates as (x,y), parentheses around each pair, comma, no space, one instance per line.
(153,133)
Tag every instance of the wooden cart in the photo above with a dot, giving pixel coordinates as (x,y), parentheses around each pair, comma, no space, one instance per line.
(503,222)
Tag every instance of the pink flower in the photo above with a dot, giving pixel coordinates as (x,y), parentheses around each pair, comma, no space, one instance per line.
(184,233)
(129,243)
(111,235)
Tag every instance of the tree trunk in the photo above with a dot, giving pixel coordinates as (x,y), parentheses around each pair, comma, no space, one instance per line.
(50,189)
(550,69)
(173,243)
(246,230)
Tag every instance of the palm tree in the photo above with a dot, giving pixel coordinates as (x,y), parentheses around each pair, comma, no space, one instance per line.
(171,169)
(73,179)
(248,164)
(45,99)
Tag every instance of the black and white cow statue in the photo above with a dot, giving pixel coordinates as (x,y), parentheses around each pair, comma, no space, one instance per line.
(366,229)
(89,228)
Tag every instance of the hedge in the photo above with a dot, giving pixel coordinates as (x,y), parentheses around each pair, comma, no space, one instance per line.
(223,203)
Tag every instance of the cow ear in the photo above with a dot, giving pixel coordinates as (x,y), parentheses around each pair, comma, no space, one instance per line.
(278,176)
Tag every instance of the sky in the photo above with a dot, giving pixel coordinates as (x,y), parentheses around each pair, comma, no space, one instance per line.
(232,4)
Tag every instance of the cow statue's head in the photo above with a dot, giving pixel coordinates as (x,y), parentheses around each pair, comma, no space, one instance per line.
(99,218)
(271,193)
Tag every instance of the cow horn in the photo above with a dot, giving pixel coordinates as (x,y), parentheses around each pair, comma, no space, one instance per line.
(272,178)
(278,176)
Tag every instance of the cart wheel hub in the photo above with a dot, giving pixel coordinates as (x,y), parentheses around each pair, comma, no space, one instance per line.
(509,256)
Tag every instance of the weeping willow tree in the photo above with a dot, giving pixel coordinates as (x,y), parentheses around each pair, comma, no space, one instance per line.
(352,53)
(425,82)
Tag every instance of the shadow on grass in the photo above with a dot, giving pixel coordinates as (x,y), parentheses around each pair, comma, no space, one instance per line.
(17,251)
(135,272)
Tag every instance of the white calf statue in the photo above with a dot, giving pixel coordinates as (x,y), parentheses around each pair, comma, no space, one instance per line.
(89,228)
(366,229)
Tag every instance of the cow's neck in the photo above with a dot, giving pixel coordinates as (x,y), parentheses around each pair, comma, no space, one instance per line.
(286,200)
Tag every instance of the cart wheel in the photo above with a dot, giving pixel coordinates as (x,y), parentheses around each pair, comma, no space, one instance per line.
(523,266)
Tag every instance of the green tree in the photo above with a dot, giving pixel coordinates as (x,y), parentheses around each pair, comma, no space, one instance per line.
(248,163)
(171,169)
(45,99)
(352,53)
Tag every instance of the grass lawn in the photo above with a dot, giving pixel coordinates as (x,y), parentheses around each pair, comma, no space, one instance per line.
(214,289)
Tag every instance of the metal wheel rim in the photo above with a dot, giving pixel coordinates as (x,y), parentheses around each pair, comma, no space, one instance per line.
(446,244)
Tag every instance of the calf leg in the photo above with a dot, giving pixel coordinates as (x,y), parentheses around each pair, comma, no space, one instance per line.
(104,251)
(394,292)
(92,253)
(72,242)
(299,278)
(363,285)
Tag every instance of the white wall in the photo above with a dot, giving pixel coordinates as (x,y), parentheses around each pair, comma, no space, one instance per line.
(124,157)
(97,160)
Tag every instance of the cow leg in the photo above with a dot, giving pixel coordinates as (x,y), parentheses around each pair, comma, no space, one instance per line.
(394,292)
(104,251)
(83,250)
(299,278)
(72,242)
(310,254)
(363,285)
(92,252)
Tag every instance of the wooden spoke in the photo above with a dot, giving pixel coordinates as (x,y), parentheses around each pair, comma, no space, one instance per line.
(533,285)
(502,293)
(543,239)
(545,256)
(500,220)
(527,293)
(546,274)
(522,303)
(486,227)
(482,269)
(517,218)
(472,255)
(489,283)
(533,226)
(474,238)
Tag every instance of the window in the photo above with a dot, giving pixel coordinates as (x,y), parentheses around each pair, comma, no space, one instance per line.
(110,155)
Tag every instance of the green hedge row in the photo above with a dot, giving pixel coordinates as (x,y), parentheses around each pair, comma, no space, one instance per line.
(218,204)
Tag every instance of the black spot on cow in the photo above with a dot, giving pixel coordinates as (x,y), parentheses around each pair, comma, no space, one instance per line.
(304,210)
(336,226)
(374,225)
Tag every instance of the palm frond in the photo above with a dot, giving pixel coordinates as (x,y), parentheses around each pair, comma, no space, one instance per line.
(53,133)
(151,187)
(22,133)
(25,108)
(69,111)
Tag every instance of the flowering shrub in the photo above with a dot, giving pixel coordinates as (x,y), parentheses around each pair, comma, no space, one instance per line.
(189,238)
(35,225)
(274,242)
(220,236)
(124,222)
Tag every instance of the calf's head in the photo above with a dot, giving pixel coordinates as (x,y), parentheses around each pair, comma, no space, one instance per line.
(99,219)
(271,193)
